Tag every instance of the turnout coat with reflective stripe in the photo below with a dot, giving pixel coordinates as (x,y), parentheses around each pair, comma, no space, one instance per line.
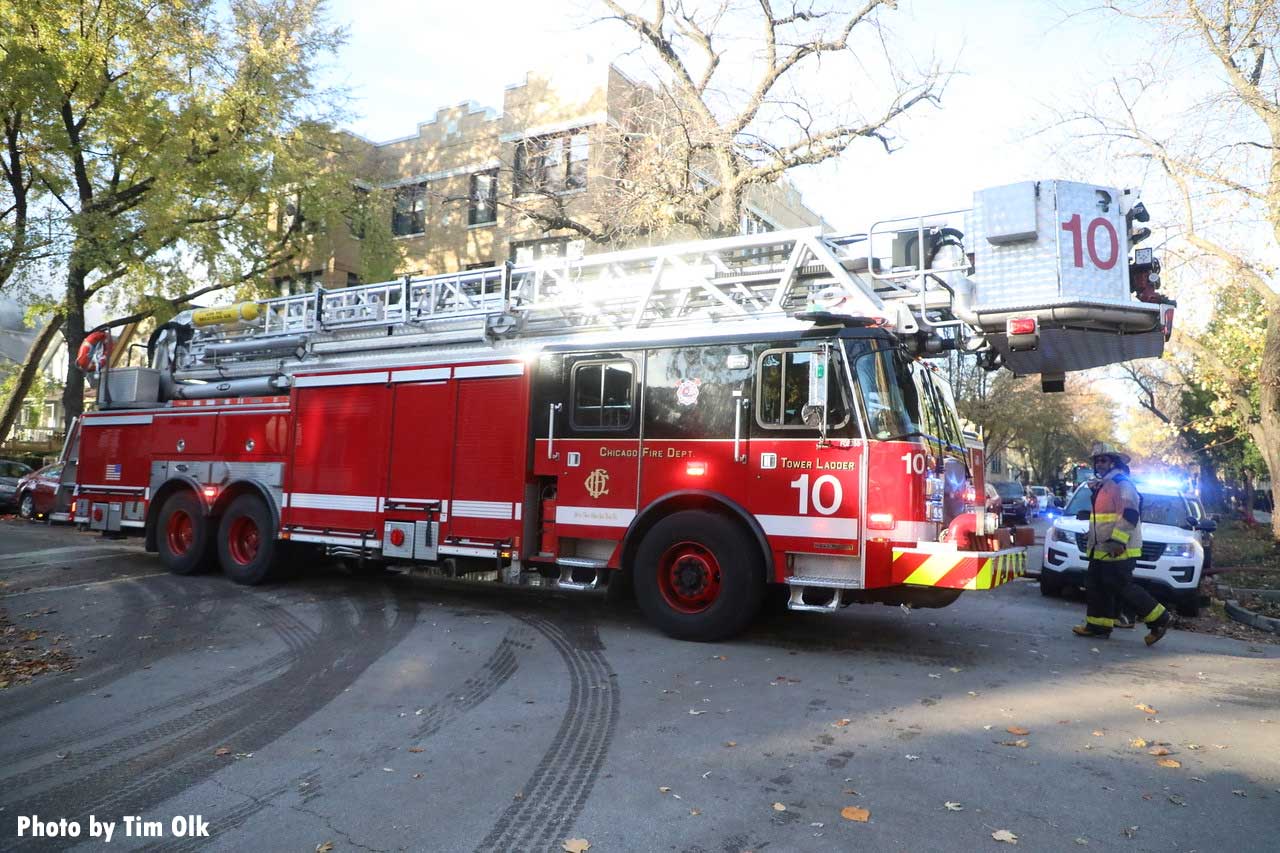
(1116,516)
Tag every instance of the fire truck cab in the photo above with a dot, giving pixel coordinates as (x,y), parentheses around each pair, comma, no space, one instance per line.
(701,422)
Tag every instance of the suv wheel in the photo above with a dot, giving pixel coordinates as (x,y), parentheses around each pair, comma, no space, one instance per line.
(27,506)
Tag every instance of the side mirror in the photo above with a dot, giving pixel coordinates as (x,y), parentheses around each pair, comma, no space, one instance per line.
(1082,515)
(1208,525)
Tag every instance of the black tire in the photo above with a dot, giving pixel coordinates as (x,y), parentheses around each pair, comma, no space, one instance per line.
(182,535)
(27,506)
(248,550)
(699,576)
(1050,588)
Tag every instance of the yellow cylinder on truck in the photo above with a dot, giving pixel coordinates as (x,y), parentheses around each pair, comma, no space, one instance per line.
(241,312)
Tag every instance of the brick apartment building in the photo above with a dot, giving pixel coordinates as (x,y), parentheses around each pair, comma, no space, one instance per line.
(452,182)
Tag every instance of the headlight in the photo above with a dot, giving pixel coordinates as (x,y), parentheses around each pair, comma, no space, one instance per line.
(1060,535)
(1185,550)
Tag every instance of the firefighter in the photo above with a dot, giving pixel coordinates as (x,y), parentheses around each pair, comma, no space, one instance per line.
(1114,544)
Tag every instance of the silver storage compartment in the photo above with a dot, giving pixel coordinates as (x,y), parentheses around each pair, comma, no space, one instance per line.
(131,386)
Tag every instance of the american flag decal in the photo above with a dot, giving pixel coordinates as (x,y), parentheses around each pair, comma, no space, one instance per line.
(113,471)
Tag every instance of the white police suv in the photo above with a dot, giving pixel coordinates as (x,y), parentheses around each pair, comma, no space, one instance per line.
(1174,535)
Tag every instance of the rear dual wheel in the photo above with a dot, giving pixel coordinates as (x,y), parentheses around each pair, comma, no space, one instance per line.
(245,547)
(699,576)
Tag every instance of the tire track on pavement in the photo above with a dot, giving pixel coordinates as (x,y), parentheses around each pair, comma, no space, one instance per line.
(177,754)
(556,793)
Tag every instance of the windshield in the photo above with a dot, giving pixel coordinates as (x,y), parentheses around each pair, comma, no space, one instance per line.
(13,469)
(1009,490)
(888,392)
(1156,509)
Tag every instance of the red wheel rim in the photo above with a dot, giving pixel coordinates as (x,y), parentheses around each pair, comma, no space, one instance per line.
(243,541)
(689,577)
(180,532)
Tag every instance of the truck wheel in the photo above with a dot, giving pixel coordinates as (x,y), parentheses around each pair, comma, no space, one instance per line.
(27,506)
(182,534)
(699,576)
(247,545)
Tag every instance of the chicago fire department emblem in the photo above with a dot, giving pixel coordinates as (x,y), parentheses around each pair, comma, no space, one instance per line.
(598,483)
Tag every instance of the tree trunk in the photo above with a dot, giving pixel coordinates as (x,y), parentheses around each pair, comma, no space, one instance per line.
(1210,486)
(1269,416)
(73,391)
(27,375)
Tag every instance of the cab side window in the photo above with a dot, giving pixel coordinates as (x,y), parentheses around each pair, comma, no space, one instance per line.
(603,395)
(790,386)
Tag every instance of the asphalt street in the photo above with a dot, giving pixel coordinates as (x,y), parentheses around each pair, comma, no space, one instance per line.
(403,713)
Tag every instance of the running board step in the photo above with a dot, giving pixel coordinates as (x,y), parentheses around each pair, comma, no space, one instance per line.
(797,602)
(572,568)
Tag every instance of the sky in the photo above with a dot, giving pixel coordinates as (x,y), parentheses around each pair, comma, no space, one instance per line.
(1016,62)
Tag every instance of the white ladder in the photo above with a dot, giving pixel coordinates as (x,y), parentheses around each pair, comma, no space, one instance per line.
(772,274)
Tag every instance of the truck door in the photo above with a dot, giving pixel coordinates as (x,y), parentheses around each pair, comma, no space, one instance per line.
(697,421)
(806,459)
(588,423)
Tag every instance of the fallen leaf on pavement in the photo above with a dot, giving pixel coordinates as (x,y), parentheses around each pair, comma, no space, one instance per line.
(417,775)
(731,743)
(1177,800)
(695,812)
(934,675)
(1129,831)
(852,792)
(841,723)
(1239,793)
(1083,842)
(1137,743)
(222,750)
(952,807)
(694,713)
(912,757)
(416,749)
(324,847)
(779,807)
(1017,730)
(1098,733)
(1005,835)
(856,814)
(1158,750)
(1194,746)
(1146,709)
(576,845)
(663,789)
(1020,743)
(1169,762)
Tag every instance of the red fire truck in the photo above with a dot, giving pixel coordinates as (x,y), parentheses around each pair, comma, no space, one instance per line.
(704,421)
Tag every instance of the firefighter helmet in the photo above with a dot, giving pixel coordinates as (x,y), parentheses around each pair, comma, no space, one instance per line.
(1103,448)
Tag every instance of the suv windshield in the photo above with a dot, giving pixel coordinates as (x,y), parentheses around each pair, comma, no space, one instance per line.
(1009,490)
(1172,510)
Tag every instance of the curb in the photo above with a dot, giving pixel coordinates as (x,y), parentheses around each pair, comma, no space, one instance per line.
(1244,615)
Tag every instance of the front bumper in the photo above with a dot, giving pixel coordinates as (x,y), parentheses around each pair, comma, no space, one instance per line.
(948,568)
(1065,565)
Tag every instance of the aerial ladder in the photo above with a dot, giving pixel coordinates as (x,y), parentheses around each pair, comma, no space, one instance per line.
(1038,277)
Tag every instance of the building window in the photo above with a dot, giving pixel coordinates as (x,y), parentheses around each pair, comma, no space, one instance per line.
(602,394)
(753,223)
(288,285)
(531,251)
(552,163)
(409,210)
(483,207)
(353,279)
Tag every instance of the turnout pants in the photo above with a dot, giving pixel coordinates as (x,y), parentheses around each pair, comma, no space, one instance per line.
(1108,582)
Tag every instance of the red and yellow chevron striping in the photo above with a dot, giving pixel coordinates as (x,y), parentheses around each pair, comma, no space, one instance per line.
(957,569)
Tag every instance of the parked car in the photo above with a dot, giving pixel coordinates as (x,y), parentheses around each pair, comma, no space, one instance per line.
(1013,501)
(1173,553)
(993,502)
(10,473)
(1043,498)
(37,492)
